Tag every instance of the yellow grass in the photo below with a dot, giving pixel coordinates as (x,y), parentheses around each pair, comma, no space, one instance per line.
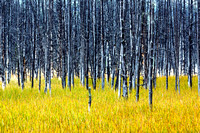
(65,111)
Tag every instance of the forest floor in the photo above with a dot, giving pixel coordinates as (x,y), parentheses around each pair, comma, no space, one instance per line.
(67,111)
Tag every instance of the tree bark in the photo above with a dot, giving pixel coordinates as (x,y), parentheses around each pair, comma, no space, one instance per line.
(69,44)
(87,45)
(150,51)
(190,45)
(198,47)
(102,46)
(94,40)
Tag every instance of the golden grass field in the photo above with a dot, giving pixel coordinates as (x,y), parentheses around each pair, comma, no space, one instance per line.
(65,111)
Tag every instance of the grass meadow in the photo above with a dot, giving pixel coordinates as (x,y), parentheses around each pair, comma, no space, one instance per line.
(67,111)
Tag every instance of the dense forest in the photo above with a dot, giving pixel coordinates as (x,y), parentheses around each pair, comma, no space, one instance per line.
(127,42)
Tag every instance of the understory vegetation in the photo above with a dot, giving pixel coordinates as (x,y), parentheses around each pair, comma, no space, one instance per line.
(33,111)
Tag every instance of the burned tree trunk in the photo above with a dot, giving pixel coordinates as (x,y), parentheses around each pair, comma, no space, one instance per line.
(102,46)
(69,43)
(190,45)
(198,47)
(150,51)
(94,41)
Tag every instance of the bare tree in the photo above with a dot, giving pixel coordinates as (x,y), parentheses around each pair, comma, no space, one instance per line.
(190,43)
(69,43)
(198,47)
(94,40)
(150,51)
(102,45)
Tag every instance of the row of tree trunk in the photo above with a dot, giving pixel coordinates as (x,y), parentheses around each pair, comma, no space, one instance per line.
(106,39)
